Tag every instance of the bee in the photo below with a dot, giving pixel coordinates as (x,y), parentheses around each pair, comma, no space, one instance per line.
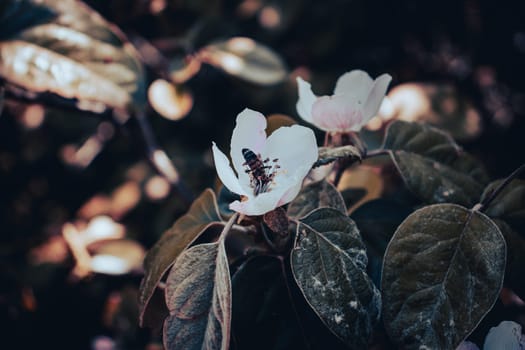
(261,174)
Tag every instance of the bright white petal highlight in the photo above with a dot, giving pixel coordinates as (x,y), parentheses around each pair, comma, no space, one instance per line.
(306,100)
(375,97)
(248,133)
(293,146)
(356,83)
(339,113)
(281,163)
(225,172)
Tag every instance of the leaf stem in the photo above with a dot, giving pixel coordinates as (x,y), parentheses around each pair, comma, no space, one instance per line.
(228,226)
(267,238)
(486,202)
(376,153)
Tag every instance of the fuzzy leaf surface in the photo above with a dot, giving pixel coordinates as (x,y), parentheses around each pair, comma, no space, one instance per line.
(432,165)
(202,214)
(509,205)
(328,154)
(442,273)
(329,265)
(198,296)
(316,195)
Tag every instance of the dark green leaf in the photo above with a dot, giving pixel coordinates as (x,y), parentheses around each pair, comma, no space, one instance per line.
(76,55)
(270,313)
(328,263)
(509,205)
(198,296)
(202,214)
(245,59)
(377,221)
(442,273)
(351,196)
(16,15)
(432,165)
(263,317)
(225,198)
(515,258)
(316,195)
(328,154)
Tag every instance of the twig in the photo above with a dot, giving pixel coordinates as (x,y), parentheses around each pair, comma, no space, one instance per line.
(376,153)
(161,161)
(486,202)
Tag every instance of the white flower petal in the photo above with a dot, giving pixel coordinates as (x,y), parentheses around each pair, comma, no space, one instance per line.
(294,146)
(338,113)
(248,133)
(296,183)
(306,100)
(260,204)
(507,335)
(375,97)
(356,83)
(225,172)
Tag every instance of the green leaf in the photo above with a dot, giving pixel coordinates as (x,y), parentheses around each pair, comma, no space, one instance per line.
(316,195)
(328,263)
(331,154)
(202,214)
(16,15)
(515,258)
(377,221)
(75,54)
(442,273)
(198,296)
(269,312)
(245,59)
(509,205)
(224,199)
(263,316)
(432,165)
(351,196)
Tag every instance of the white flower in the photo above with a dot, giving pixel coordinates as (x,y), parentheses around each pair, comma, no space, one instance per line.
(272,174)
(355,101)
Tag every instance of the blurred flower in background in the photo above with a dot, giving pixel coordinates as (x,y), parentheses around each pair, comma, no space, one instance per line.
(356,99)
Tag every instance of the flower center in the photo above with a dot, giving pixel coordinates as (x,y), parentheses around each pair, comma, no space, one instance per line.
(261,172)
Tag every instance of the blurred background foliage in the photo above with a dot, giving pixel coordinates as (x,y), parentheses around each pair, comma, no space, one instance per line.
(65,169)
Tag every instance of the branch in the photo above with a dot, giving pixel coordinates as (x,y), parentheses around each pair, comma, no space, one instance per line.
(486,202)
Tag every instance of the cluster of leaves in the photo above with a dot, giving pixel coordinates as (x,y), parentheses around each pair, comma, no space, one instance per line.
(431,270)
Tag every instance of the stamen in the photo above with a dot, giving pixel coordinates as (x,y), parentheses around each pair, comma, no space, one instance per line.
(261,175)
